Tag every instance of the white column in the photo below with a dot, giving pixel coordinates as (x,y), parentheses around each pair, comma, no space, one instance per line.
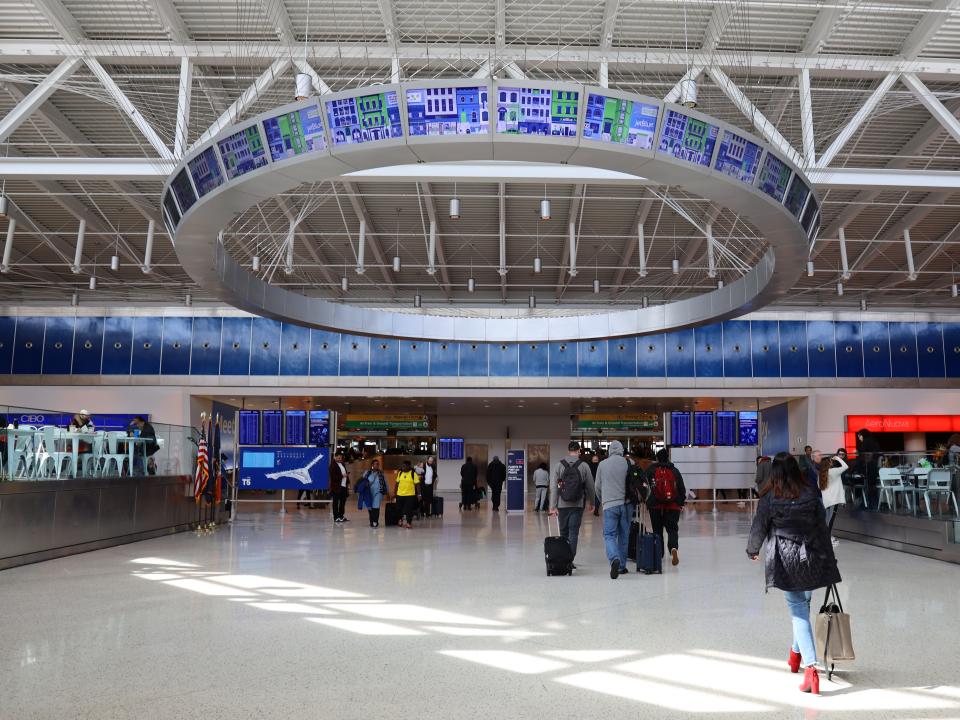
(911,270)
(573,250)
(642,250)
(148,251)
(844,265)
(78,255)
(361,247)
(711,253)
(432,249)
(8,245)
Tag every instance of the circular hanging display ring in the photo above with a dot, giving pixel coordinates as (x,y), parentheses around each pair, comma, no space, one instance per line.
(323,138)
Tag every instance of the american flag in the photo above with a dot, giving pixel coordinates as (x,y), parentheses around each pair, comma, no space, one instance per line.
(203,470)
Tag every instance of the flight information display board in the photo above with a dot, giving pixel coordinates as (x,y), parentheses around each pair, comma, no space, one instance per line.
(726,428)
(249,431)
(703,427)
(451,448)
(448,111)
(774,176)
(796,197)
(749,425)
(171,207)
(537,111)
(243,151)
(295,133)
(738,157)
(295,427)
(687,138)
(205,171)
(364,118)
(680,428)
(624,122)
(183,191)
(272,427)
(320,428)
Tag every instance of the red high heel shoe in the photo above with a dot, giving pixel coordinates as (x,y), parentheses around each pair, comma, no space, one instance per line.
(794,661)
(811,681)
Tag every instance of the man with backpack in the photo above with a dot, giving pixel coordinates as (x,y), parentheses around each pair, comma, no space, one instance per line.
(570,486)
(665,501)
(613,493)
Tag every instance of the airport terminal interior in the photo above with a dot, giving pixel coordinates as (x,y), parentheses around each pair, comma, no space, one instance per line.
(509,359)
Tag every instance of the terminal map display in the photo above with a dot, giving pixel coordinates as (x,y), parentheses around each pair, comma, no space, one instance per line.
(249,431)
(183,191)
(295,133)
(748,427)
(284,468)
(536,111)
(774,177)
(680,428)
(320,428)
(272,427)
(243,152)
(448,111)
(726,428)
(295,427)
(796,197)
(738,157)
(205,172)
(703,427)
(364,118)
(625,122)
(687,138)
(451,448)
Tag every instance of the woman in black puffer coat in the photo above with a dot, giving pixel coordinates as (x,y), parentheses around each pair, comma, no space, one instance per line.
(799,557)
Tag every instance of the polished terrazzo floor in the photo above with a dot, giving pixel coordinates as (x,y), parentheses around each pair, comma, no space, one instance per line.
(295,617)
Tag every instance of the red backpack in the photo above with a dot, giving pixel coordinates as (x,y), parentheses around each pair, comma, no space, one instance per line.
(664,485)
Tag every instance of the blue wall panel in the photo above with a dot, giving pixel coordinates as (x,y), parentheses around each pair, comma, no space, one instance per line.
(679,346)
(8,327)
(930,350)
(793,348)
(951,347)
(622,357)
(147,334)
(821,349)
(354,355)
(903,349)
(876,349)
(265,347)
(736,349)
(563,359)
(534,360)
(849,349)
(28,350)
(765,348)
(504,360)
(177,332)
(414,358)
(473,359)
(295,350)
(88,345)
(324,353)
(235,347)
(592,358)
(384,357)
(708,351)
(58,346)
(443,359)
(205,351)
(651,356)
(117,345)
(775,430)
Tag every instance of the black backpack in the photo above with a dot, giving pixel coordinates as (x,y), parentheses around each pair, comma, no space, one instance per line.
(570,482)
(635,485)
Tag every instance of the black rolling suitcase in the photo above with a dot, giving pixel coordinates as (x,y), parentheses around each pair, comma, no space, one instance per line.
(391,512)
(556,551)
(632,539)
(436,506)
(649,552)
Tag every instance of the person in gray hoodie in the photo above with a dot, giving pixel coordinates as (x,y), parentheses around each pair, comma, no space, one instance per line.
(611,488)
(570,486)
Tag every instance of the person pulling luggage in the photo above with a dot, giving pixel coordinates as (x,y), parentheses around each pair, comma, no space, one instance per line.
(665,501)
(570,487)
(611,492)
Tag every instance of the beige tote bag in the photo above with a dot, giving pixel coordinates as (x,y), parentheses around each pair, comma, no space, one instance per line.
(832,632)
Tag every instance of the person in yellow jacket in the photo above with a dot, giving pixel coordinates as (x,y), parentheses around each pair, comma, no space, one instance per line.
(408,493)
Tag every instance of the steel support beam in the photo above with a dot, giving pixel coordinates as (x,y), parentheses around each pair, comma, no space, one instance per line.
(933,105)
(184,95)
(857,120)
(927,27)
(373,236)
(171,21)
(37,97)
(502,237)
(440,257)
(61,19)
(693,73)
(576,203)
(719,20)
(305,240)
(806,118)
(643,211)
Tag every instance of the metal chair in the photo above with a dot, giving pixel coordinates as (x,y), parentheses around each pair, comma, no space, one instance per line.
(112,455)
(939,482)
(22,453)
(891,483)
(91,462)
(858,484)
(48,453)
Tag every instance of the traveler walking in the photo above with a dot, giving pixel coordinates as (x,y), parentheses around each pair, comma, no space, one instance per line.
(429,486)
(496,477)
(799,558)
(371,489)
(570,487)
(594,464)
(665,501)
(468,484)
(339,487)
(611,489)
(763,473)
(831,488)
(408,493)
(541,481)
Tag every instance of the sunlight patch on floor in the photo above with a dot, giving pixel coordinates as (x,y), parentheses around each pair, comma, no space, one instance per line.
(508,660)
(366,627)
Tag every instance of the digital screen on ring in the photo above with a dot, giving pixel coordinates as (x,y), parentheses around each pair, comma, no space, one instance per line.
(205,172)
(796,196)
(703,427)
(774,176)
(448,111)
(738,157)
(687,138)
(537,111)
(243,152)
(295,133)
(620,121)
(364,118)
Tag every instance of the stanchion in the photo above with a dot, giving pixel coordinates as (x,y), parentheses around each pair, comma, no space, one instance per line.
(283,499)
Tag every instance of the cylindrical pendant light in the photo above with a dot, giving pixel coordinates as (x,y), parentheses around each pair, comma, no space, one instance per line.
(863,304)
(644,301)
(304,86)
(396,263)
(840,289)
(188,300)
(537,264)
(255,263)
(688,92)
(344,284)
(74,300)
(454,208)
(545,209)
(4,205)
(471,285)
(114,263)
(675,266)
(953,290)
(93,282)
(596,286)
(417,300)
(809,268)
(532,302)
(720,284)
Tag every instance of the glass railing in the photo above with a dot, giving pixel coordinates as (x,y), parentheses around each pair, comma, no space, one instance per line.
(54,445)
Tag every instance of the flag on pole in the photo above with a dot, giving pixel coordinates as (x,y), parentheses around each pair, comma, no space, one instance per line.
(203,469)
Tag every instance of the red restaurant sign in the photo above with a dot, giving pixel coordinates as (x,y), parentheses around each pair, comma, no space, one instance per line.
(904,423)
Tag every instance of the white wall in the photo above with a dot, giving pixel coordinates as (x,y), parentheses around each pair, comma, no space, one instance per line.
(164,404)
(798,425)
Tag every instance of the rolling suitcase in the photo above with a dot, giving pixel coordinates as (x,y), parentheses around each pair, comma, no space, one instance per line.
(436,506)
(556,551)
(632,540)
(391,514)
(649,552)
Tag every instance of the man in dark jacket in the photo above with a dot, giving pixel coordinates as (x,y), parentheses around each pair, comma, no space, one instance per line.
(496,477)
(339,488)
(468,484)
(665,501)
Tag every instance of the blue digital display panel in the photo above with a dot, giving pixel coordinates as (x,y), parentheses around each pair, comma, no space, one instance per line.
(726,428)
(205,171)
(687,138)
(448,111)
(284,468)
(364,118)
(295,133)
(183,191)
(536,111)
(249,431)
(703,427)
(272,427)
(170,206)
(295,427)
(619,121)
(774,176)
(748,427)
(809,214)
(243,151)
(680,428)
(738,157)
(451,448)
(796,197)
(320,428)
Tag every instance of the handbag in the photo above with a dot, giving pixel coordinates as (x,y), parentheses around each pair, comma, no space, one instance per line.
(832,632)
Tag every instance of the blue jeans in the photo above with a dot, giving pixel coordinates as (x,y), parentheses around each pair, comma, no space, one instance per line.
(803,643)
(616,532)
(569,519)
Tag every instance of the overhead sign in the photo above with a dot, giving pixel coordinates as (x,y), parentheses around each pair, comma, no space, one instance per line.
(904,423)
(386,422)
(621,422)
(116,421)
(284,468)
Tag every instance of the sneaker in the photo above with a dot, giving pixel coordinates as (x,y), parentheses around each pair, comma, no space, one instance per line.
(337,520)
(376,524)
(344,519)
(834,541)
(674,557)
(623,570)
(614,569)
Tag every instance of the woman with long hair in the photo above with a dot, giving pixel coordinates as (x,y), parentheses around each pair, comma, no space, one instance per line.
(831,487)
(799,557)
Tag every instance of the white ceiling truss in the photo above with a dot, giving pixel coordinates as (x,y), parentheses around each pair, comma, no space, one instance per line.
(98,99)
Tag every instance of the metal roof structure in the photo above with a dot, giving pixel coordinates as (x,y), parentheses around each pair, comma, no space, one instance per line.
(99,97)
